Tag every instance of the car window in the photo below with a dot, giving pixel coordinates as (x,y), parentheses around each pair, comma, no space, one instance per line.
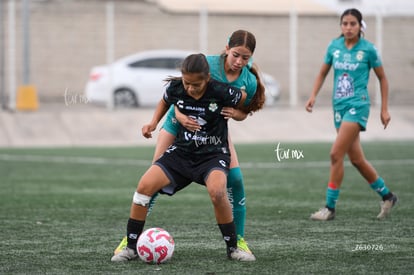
(158,63)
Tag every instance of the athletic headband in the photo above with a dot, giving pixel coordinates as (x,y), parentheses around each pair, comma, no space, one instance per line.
(363,25)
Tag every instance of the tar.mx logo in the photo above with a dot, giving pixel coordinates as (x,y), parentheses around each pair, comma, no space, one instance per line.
(287,153)
(74,98)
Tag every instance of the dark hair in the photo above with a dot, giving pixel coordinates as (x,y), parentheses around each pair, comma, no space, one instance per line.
(194,63)
(357,14)
(247,39)
(242,38)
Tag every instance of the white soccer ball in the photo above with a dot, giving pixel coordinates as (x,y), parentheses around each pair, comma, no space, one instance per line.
(155,245)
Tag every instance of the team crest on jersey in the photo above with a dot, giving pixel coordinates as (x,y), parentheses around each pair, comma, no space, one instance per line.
(213,106)
(360,55)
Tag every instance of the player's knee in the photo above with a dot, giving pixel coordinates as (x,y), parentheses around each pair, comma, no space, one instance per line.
(217,196)
(336,156)
(141,199)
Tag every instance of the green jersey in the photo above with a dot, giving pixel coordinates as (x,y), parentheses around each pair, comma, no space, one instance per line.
(246,81)
(212,137)
(351,71)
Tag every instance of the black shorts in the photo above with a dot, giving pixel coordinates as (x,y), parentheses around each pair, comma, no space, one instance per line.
(183,169)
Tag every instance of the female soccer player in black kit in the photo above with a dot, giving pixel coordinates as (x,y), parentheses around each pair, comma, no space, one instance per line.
(200,156)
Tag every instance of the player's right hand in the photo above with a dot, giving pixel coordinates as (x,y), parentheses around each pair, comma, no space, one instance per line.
(147,130)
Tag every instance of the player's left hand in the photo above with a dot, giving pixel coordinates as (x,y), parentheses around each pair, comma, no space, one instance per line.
(227,112)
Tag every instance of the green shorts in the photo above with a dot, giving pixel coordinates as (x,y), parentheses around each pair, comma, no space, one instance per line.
(358,114)
(171,124)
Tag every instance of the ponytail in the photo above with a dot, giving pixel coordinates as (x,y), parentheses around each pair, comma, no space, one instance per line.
(258,99)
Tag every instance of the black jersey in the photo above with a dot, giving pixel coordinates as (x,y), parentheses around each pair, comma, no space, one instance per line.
(212,137)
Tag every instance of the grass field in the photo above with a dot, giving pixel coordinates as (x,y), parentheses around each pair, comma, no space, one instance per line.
(63,211)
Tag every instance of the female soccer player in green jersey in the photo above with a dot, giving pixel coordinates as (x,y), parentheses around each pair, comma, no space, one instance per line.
(236,68)
(201,156)
(352,57)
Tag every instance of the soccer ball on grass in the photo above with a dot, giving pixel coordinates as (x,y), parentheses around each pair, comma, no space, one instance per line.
(155,245)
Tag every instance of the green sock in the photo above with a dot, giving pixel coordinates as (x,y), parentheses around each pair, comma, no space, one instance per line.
(332,194)
(235,190)
(379,187)
(152,203)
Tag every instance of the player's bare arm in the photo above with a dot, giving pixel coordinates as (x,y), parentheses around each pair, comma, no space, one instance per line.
(160,111)
(385,116)
(317,86)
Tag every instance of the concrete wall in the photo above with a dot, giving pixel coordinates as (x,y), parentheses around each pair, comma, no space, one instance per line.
(69,37)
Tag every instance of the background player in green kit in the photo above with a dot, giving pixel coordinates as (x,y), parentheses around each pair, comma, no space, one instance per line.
(352,57)
(235,67)
(201,156)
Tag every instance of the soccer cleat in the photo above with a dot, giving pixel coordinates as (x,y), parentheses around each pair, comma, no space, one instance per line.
(127,254)
(242,245)
(386,207)
(240,255)
(323,214)
(121,245)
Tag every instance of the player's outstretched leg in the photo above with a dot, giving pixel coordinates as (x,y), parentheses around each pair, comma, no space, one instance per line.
(235,191)
(327,213)
(121,246)
(386,206)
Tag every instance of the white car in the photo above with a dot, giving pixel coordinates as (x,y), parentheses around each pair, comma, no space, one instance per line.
(138,80)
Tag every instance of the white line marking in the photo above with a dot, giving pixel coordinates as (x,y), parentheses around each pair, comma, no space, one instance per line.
(140,162)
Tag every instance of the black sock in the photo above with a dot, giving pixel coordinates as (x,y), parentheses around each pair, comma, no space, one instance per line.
(330,209)
(228,231)
(134,229)
(388,196)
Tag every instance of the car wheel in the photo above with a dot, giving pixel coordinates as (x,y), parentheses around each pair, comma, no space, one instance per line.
(125,98)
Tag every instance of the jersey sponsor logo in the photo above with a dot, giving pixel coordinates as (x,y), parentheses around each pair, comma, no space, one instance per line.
(195,108)
(347,66)
(345,86)
(336,53)
(347,57)
(201,121)
(352,111)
